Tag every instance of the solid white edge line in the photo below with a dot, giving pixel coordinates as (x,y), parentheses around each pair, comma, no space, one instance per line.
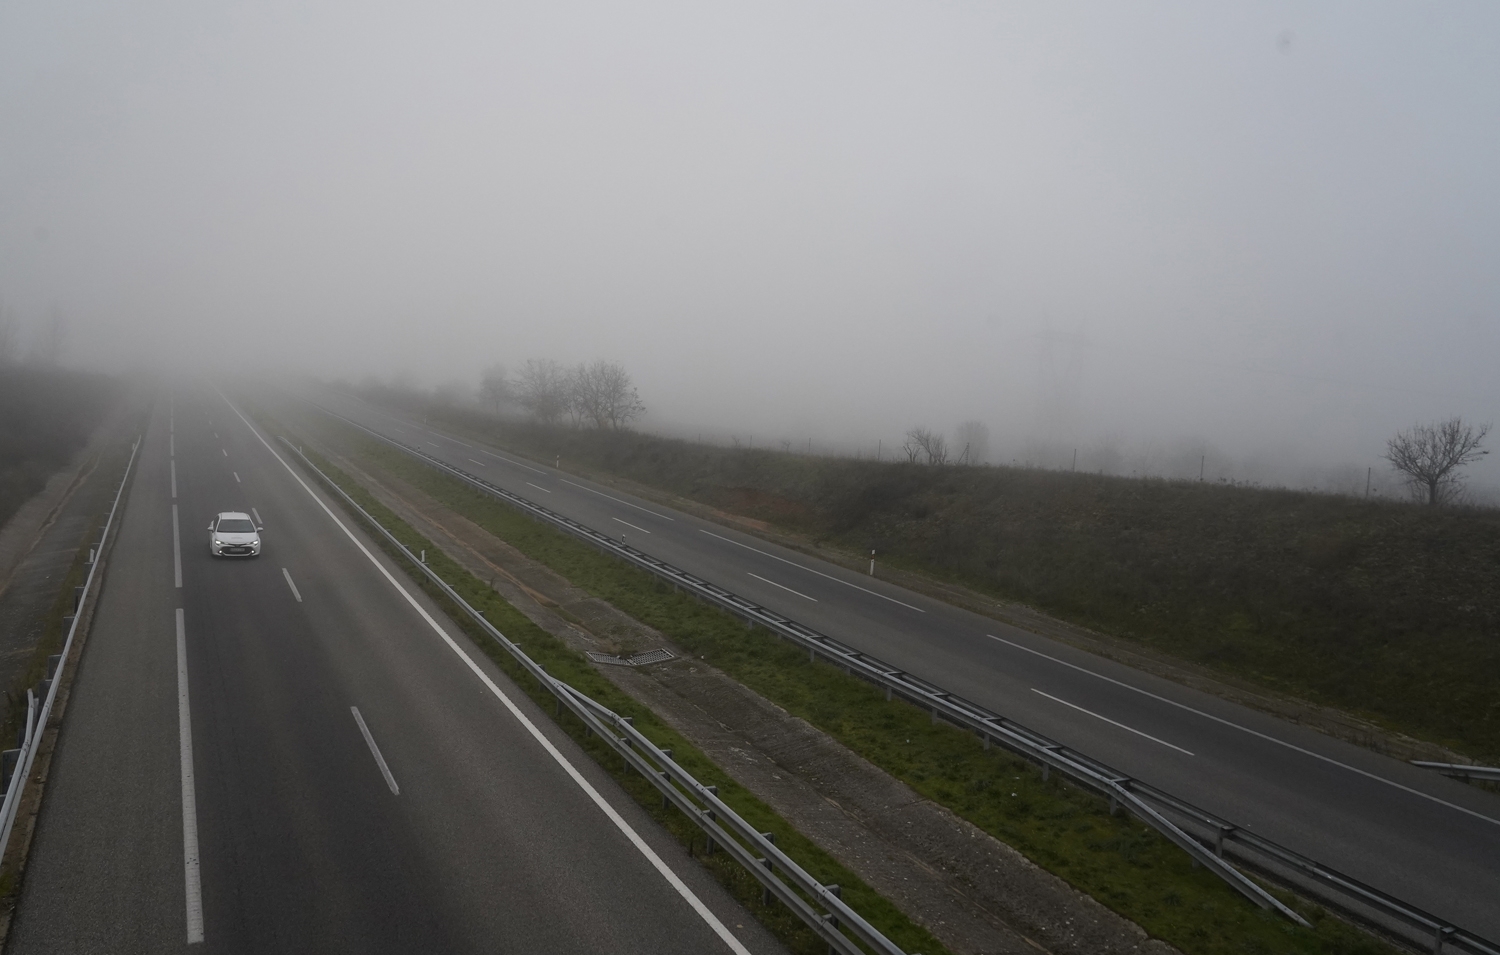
(1245,729)
(837,580)
(645,850)
(176,549)
(618,501)
(174,478)
(192,882)
(375,751)
(288,575)
(1111,722)
(544,490)
(631,526)
(783,587)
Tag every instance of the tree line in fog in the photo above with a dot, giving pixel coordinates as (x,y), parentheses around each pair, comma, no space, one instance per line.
(599,395)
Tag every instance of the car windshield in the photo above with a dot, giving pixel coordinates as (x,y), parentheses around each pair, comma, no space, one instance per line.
(236,525)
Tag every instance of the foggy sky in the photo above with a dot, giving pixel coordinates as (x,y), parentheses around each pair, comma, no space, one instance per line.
(1269,231)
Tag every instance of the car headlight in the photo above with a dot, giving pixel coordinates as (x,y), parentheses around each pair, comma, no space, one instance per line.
(218,543)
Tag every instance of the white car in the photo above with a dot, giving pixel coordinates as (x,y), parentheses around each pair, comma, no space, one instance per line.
(234,534)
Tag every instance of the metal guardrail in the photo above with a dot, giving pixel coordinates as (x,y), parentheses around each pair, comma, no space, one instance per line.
(1213,839)
(1462,770)
(816,904)
(37,716)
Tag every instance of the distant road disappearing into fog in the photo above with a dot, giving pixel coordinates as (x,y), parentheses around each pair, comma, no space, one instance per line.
(285,755)
(1428,840)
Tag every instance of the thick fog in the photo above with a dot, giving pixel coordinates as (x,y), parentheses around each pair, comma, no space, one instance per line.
(1256,238)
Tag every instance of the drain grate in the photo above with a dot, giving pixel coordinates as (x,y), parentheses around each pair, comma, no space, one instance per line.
(639,660)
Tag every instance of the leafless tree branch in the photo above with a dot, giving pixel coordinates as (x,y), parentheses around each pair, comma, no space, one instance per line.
(1431,454)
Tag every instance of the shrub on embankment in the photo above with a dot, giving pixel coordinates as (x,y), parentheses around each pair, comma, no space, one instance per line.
(46,415)
(1387,610)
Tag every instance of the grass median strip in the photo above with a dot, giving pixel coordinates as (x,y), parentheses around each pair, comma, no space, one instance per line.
(570,667)
(1124,864)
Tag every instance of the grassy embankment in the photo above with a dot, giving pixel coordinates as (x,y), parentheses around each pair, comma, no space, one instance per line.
(1119,861)
(573,668)
(46,415)
(1385,610)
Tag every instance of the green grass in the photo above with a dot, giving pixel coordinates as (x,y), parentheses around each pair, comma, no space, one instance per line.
(1382,609)
(571,667)
(1119,861)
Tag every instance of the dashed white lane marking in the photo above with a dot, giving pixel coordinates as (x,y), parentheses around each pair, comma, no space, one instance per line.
(872,593)
(538,487)
(509,461)
(256,515)
(618,501)
(288,575)
(171,445)
(223,452)
(625,828)
(174,477)
(1129,729)
(631,526)
(480,463)
(375,751)
(236,477)
(176,549)
(784,587)
(1245,729)
(192,883)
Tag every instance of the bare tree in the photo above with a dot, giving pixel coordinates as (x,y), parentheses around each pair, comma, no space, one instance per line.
(1431,454)
(922,442)
(543,389)
(605,395)
(972,439)
(494,388)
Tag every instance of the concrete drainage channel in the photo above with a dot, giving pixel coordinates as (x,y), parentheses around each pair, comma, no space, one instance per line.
(17,763)
(817,905)
(1209,839)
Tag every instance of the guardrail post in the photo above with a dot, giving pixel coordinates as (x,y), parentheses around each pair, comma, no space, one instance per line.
(1219,839)
(1443,931)
(77,597)
(708,848)
(765,890)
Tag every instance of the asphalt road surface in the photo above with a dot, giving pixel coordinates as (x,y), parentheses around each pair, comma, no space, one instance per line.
(292,754)
(1431,841)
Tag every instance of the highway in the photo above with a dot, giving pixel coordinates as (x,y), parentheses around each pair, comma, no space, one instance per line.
(1428,840)
(300,753)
